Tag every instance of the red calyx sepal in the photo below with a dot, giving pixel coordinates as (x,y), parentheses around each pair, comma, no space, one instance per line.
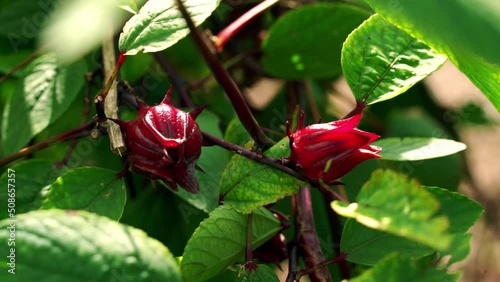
(327,151)
(164,143)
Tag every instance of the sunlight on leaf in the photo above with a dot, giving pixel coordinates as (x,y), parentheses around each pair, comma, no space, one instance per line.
(45,93)
(84,247)
(390,202)
(415,148)
(467,34)
(380,61)
(88,188)
(399,267)
(159,25)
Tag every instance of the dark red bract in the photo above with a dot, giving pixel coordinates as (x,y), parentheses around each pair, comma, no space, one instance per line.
(165,143)
(327,151)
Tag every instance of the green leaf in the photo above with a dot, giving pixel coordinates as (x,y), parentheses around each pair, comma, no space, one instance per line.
(159,25)
(368,246)
(263,274)
(462,213)
(380,61)
(58,245)
(236,133)
(31,179)
(459,248)
(93,189)
(10,60)
(416,123)
(151,209)
(390,202)
(247,185)
(132,6)
(465,35)
(220,241)
(213,160)
(301,46)
(396,267)
(22,20)
(417,148)
(42,97)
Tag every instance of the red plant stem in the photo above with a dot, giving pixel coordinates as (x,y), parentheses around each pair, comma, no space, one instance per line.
(242,110)
(360,106)
(255,156)
(68,135)
(235,26)
(307,238)
(175,78)
(102,96)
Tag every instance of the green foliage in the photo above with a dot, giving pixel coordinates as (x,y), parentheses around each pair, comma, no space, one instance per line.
(247,185)
(368,242)
(92,189)
(35,177)
(213,160)
(464,35)
(220,241)
(390,202)
(414,149)
(58,245)
(293,50)
(396,267)
(66,201)
(159,25)
(368,246)
(380,61)
(47,90)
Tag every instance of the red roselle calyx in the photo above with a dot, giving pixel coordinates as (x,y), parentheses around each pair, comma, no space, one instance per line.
(325,152)
(165,143)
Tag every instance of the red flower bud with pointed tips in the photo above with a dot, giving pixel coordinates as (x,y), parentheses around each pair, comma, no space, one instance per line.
(165,143)
(327,151)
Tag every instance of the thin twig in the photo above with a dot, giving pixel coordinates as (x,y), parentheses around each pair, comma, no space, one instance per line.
(23,63)
(258,157)
(242,110)
(78,132)
(175,78)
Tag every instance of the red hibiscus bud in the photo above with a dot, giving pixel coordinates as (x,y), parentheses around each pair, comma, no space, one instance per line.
(165,143)
(327,151)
